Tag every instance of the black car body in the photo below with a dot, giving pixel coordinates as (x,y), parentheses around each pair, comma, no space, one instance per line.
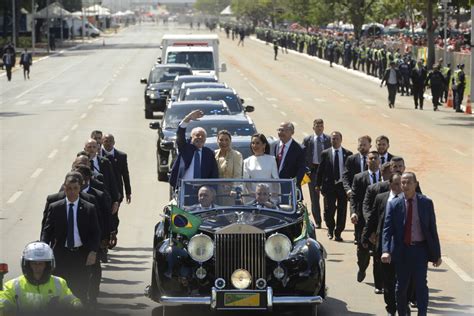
(159,84)
(229,95)
(198,85)
(180,80)
(240,126)
(238,255)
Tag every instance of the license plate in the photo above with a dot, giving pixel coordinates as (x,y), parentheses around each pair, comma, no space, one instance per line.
(242,299)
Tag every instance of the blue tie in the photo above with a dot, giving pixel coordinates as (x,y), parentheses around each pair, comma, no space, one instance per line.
(197,165)
(70,227)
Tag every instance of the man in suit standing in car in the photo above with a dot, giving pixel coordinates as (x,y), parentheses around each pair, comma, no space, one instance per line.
(410,240)
(194,161)
(314,146)
(329,183)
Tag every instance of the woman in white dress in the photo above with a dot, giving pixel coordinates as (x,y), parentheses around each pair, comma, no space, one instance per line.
(260,165)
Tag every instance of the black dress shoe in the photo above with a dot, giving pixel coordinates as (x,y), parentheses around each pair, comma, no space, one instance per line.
(360,276)
(318,226)
(330,236)
(338,238)
(378,291)
(355,242)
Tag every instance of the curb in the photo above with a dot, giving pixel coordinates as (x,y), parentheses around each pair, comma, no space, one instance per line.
(351,71)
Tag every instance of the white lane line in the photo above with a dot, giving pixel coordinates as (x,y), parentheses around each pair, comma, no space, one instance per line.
(318,100)
(22,102)
(283,113)
(36,173)
(305,134)
(405,125)
(246,79)
(83,116)
(14,197)
(123,99)
(369,101)
(384,115)
(98,100)
(274,105)
(65,138)
(460,272)
(271,99)
(53,153)
(74,127)
(459,152)
(46,101)
(90,106)
(255,88)
(70,101)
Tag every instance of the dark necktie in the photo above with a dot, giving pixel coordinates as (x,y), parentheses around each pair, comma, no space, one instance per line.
(319,148)
(337,173)
(365,167)
(408,223)
(197,164)
(280,155)
(374,178)
(382,159)
(70,227)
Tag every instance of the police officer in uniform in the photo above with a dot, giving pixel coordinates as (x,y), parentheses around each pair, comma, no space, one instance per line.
(459,84)
(436,80)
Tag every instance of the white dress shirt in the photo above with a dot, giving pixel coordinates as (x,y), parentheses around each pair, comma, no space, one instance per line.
(189,173)
(392,78)
(95,161)
(377,176)
(77,237)
(341,162)
(109,153)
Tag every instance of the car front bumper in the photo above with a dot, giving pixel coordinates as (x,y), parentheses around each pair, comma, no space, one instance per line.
(212,301)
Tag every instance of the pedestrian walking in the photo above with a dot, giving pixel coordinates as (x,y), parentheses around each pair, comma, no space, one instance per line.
(392,78)
(26,60)
(275,48)
(436,81)
(242,37)
(418,78)
(9,62)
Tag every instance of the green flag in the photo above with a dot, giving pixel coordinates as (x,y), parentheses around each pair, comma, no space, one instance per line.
(306,225)
(183,222)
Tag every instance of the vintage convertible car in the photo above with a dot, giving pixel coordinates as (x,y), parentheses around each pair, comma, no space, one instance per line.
(219,245)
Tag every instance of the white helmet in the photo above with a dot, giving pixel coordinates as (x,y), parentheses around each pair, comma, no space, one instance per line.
(38,251)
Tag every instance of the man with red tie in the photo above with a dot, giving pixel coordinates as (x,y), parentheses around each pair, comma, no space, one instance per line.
(410,240)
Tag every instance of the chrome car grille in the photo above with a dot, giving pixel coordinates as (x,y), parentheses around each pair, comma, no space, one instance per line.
(244,249)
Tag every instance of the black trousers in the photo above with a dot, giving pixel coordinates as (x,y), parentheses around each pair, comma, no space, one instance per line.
(458,97)
(95,278)
(315,197)
(335,202)
(436,92)
(9,72)
(389,281)
(392,93)
(418,96)
(71,266)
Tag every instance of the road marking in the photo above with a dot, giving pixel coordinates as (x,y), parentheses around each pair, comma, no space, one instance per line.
(98,100)
(72,101)
(283,113)
(271,99)
(248,99)
(274,105)
(14,197)
(255,88)
(65,138)
(305,134)
(74,127)
(53,153)
(384,115)
(405,125)
(295,124)
(369,101)
(298,100)
(36,173)
(83,116)
(22,102)
(318,100)
(90,106)
(123,99)
(47,101)
(460,272)
(368,107)
(459,152)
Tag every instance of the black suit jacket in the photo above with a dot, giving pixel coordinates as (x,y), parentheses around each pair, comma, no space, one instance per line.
(185,157)
(418,78)
(120,166)
(359,186)
(325,176)
(110,180)
(352,167)
(104,212)
(308,145)
(293,164)
(386,76)
(376,219)
(55,229)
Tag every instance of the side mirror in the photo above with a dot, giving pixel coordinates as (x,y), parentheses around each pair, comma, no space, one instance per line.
(249,108)
(143,80)
(155,125)
(161,46)
(223,67)
(167,145)
(159,60)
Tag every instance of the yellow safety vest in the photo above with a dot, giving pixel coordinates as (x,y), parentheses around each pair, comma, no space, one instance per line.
(20,295)
(457,77)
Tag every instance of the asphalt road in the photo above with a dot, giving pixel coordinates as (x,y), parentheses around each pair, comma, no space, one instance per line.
(45,121)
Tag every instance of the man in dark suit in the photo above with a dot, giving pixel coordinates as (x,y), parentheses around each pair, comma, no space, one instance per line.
(418,78)
(382,143)
(289,155)
(72,230)
(392,78)
(314,146)
(373,232)
(329,182)
(194,161)
(410,240)
(359,186)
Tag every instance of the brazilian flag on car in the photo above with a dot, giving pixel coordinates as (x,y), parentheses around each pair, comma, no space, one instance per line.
(183,222)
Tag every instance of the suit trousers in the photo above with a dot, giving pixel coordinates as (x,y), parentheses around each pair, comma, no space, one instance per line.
(71,266)
(388,273)
(363,261)
(459,96)
(335,201)
(418,96)
(315,197)
(392,93)
(95,278)
(413,263)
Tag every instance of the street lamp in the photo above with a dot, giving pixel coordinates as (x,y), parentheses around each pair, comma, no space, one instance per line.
(444,4)
(34,6)
(14,23)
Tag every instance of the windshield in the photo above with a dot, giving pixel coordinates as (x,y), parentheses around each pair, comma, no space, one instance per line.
(175,114)
(167,74)
(212,127)
(197,60)
(230,99)
(177,84)
(201,195)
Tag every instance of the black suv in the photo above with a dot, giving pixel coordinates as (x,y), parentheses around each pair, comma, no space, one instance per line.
(158,85)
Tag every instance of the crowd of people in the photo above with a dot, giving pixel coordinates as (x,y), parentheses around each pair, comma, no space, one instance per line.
(80,223)
(393,222)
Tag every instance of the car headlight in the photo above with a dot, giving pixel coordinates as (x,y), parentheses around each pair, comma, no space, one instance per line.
(201,248)
(241,279)
(152,94)
(278,247)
